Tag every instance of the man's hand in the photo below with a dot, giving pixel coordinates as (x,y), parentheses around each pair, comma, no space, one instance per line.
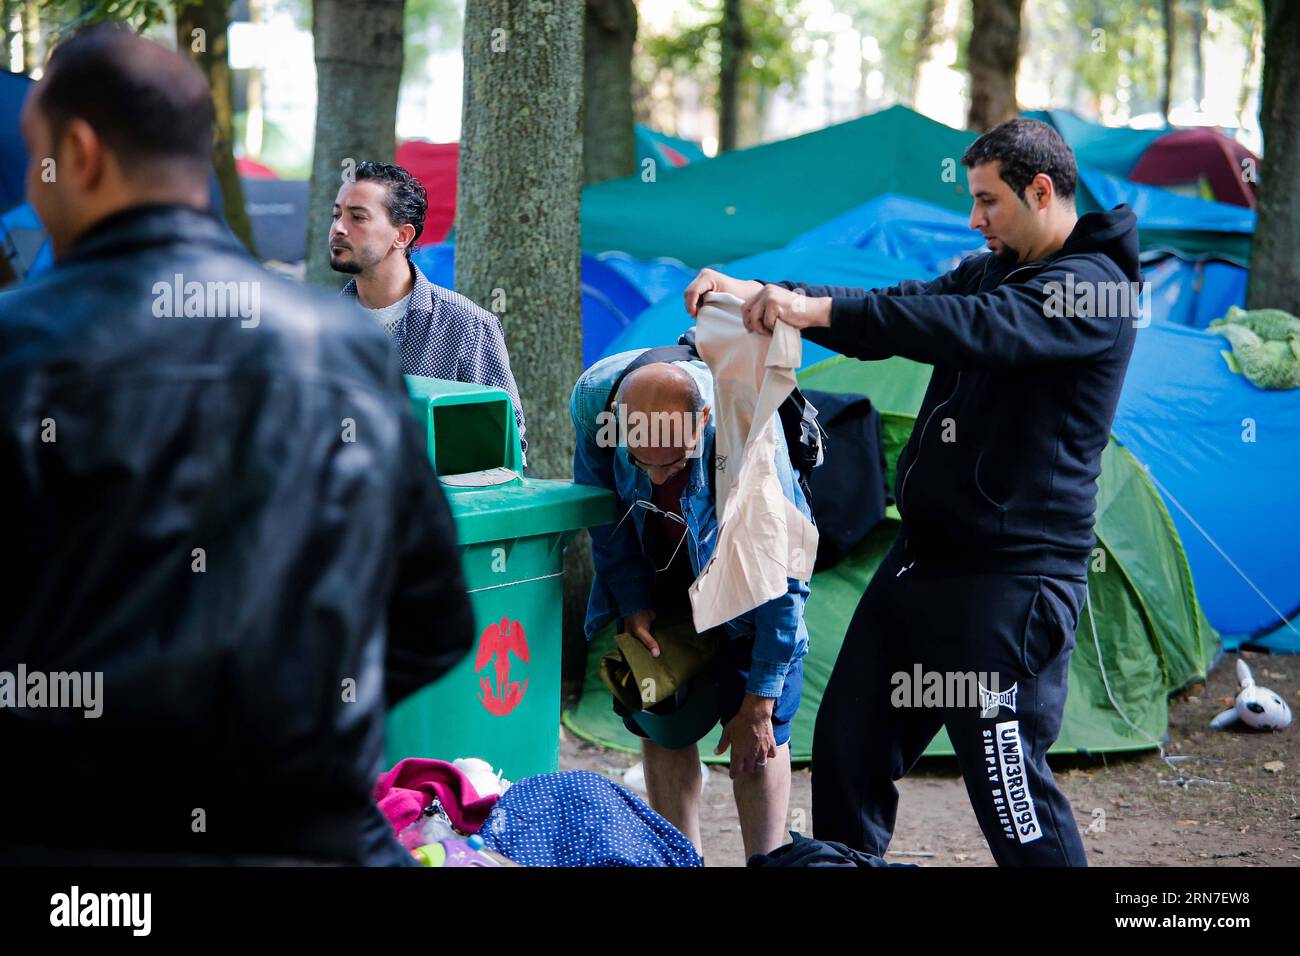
(749,734)
(710,281)
(773,303)
(638,625)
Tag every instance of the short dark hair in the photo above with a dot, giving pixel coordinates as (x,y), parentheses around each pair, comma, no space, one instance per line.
(406,199)
(146,102)
(1024,148)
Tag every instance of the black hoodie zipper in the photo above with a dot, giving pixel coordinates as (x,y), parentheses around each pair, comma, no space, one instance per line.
(953,394)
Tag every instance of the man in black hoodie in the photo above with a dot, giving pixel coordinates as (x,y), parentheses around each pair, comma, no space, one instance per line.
(983,588)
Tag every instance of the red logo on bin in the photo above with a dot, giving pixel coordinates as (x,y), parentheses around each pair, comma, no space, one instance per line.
(497,643)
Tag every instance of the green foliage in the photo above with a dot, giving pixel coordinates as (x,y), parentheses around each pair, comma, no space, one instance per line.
(1106,47)
(141,15)
(898,29)
(777,49)
(432,26)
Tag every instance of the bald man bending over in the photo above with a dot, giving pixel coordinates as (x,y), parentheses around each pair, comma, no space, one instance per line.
(644,432)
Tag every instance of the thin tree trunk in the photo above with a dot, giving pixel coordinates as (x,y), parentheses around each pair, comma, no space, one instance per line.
(6,30)
(33,52)
(609,140)
(253,124)
(1252,51)
(517,201)
(733,50)
(201,32)
(930,15)
(1167,86)
(1198,52)
(864,74)
(358,71)
(994,56)
(1275,249)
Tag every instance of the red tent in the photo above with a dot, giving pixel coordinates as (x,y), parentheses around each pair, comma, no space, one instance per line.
(251,169)
(1190,155)
(433,164)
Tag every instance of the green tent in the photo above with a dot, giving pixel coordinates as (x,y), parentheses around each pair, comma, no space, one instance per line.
(758,199)
(1152,633)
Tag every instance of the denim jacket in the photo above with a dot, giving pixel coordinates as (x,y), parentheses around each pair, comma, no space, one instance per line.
(624,570)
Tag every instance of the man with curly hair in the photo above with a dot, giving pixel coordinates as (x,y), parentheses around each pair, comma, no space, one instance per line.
(378,216)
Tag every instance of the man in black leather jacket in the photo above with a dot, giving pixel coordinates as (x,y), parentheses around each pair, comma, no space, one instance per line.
(221,521)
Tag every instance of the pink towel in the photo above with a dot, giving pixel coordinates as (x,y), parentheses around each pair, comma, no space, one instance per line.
(403,792)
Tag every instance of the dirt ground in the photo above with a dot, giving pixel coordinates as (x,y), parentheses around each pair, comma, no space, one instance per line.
(1129,808)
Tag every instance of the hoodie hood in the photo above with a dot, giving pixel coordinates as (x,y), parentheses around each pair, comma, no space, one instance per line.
(1113,233)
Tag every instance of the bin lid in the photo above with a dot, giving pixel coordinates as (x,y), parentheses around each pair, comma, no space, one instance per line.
(527,507)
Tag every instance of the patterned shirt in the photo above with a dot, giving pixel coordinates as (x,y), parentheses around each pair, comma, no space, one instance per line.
(445,335)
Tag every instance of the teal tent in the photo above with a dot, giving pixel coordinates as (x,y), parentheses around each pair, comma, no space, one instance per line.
(752,200)
(759,199)
(1110,149)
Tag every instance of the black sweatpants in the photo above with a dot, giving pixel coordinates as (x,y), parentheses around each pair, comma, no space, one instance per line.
(1015,631)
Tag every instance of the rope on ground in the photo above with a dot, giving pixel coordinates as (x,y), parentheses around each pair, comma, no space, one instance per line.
(1182,781)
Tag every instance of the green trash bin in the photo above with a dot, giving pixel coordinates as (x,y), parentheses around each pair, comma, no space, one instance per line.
(502,702)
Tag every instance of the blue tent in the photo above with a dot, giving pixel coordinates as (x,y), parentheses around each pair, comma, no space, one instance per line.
(1158,208)
(13,154)
(885,239)
(899,227)
(1167,220)
(1223,454)
(1193,291)
(655,279)
(833,265)
(609,300)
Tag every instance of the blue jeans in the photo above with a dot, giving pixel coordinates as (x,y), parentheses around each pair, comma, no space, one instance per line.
(727,674)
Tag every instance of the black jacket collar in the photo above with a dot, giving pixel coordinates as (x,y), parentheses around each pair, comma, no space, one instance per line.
(151,224)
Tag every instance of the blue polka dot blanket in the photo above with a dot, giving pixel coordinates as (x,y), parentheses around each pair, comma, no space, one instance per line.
(579,818)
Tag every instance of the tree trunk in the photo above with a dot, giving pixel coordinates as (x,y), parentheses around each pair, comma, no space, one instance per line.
(1252,51)
(733,51)
(864,71)
(609,140)
(33,54)
(358,71)
(6,32)
(1198,52)
(1275,249)
(254,123)
(930,15)
(994,56)
(517,200)
(1167,86)
(201,32)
